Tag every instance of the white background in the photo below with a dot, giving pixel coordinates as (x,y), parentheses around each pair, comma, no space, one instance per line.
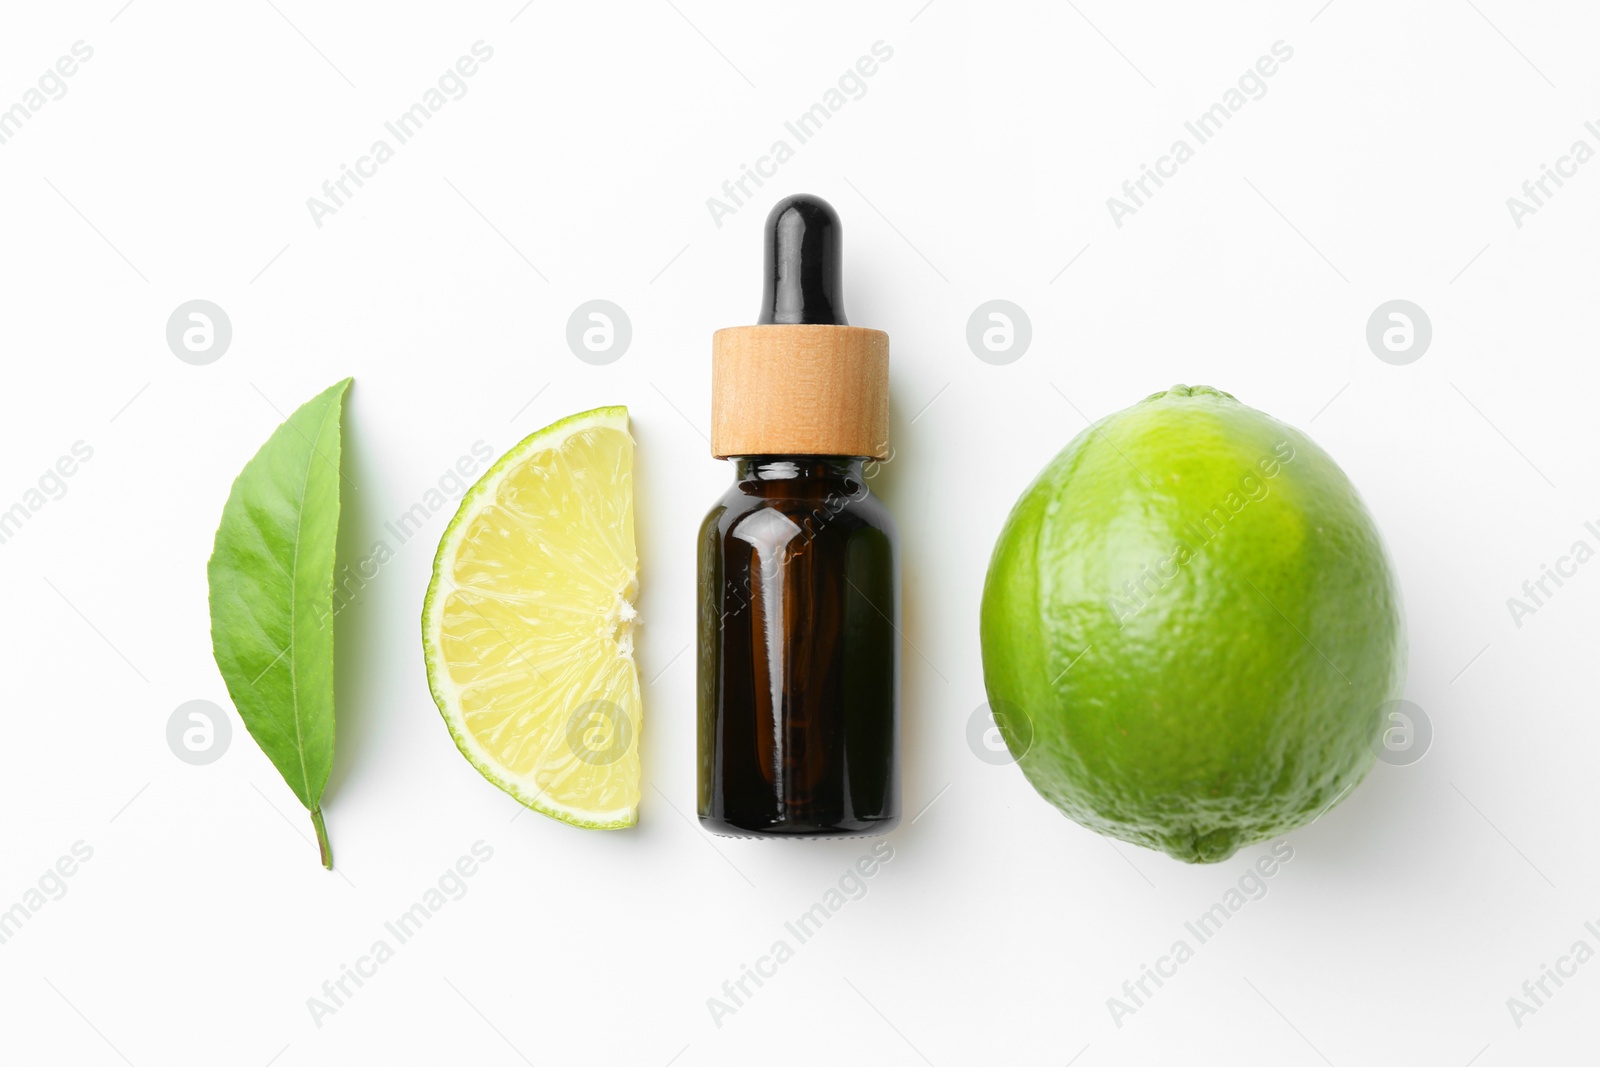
(976,166)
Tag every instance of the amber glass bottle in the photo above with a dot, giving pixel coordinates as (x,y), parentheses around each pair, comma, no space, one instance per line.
(799,595)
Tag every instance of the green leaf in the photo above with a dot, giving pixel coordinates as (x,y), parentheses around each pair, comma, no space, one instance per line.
(271,579)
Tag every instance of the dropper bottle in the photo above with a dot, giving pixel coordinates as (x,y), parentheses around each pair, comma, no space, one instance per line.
(799,664)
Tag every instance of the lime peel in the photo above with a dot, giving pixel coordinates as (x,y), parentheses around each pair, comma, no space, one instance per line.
(1191,626)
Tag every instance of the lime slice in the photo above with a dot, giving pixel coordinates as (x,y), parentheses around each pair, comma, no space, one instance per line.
(527,630)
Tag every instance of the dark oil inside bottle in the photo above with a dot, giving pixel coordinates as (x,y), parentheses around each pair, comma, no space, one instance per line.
(799,653)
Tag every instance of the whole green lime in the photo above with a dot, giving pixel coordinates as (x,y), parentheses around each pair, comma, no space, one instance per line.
(1189,628)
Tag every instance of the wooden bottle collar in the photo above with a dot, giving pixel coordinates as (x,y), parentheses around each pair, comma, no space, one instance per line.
(800,390)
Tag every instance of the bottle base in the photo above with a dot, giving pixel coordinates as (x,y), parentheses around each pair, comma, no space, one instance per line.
(726,827)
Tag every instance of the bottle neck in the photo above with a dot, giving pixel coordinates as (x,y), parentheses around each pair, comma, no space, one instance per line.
(767,469)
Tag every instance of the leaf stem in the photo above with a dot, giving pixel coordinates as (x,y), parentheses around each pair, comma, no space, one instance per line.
(322,838)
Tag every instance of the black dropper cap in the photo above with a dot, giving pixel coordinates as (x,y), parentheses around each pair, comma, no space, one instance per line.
(802,272)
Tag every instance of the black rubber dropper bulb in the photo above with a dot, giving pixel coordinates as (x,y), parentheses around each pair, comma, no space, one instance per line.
(802,269)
